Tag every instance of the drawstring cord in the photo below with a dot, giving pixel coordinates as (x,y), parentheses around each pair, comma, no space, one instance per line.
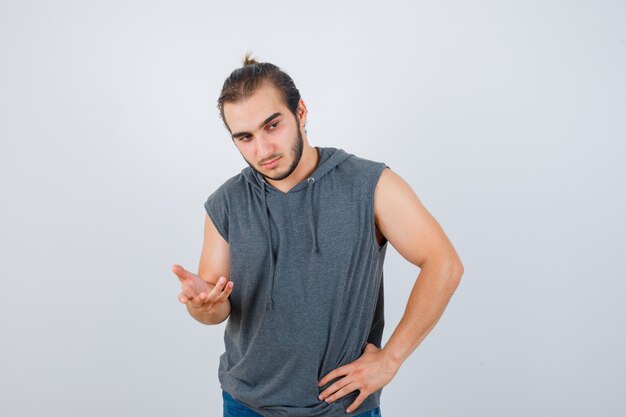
(309,191)
(310,181)
(271,251)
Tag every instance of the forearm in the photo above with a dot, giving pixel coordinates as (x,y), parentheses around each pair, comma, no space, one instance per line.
(429,297)
(214,317)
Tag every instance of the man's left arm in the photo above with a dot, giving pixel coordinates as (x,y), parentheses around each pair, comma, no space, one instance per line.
(418,237)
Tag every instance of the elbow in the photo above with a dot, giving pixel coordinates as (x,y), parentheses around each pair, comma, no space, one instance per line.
(459,269)
(449,272)
(453,273)
(456,274)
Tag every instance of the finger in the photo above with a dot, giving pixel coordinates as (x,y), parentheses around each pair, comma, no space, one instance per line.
(197,303)
(217,289)
(342,370)
(228,289)
(202,299)
(347,389)
(182,298)
(357,402)
(370,347)
(338,385)
(180,272)
(214,296)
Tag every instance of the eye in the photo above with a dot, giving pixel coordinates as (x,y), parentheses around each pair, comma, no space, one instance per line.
(272,126)
(245,138)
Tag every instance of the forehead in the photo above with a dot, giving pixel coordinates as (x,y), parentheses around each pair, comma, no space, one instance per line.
(248,113)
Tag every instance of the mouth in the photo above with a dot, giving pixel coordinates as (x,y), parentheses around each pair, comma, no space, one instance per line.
(270,164)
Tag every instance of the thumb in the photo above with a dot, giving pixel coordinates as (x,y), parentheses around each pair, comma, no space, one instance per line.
(370,347)
(181,272)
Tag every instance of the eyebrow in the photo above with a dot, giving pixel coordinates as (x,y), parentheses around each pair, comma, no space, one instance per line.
(266,121)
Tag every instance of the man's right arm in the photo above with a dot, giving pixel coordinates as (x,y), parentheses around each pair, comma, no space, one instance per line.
(206,294)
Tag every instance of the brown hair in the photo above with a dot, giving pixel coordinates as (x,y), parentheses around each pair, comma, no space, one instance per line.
(244,81)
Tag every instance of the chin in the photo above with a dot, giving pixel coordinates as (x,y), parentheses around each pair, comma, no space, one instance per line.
(277,176)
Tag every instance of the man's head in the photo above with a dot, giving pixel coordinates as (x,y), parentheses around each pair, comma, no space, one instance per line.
(262,109)
(244,81)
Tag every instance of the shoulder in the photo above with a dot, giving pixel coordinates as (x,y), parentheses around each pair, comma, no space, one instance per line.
(231,188)
(223,202)
(360,167)
(395,203)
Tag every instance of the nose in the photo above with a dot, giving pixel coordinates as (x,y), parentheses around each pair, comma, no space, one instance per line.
(264,147)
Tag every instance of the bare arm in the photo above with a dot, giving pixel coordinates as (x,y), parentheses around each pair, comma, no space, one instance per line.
(206,294)
(417,236)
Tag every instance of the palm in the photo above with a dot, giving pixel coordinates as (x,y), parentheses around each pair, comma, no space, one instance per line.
(192,284)
(202,295)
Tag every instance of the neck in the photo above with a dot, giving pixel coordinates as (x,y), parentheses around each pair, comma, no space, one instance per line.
(308,163)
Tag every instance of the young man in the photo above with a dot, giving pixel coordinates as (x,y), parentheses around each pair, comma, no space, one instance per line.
(293,256)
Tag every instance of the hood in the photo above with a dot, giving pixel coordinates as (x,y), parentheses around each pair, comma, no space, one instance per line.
(329,158)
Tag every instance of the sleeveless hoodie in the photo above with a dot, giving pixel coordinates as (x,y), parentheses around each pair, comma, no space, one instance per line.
(308,291)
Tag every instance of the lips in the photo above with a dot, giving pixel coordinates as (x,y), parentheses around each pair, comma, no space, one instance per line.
(271,164)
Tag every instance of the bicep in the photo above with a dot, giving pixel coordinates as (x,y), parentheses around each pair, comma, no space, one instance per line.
(407,225)
(215,256)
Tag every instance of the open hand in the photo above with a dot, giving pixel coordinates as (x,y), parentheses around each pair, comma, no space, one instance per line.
(199,294)
(369,373)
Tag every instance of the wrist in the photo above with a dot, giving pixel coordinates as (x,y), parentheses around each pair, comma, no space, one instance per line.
(211,315)
(393,358)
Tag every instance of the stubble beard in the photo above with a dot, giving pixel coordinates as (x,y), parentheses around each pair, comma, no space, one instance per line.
(296,151)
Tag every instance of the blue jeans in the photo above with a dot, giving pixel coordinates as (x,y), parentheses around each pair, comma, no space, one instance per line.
(233,408)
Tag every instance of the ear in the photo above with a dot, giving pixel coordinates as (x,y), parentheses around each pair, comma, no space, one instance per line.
(301,111)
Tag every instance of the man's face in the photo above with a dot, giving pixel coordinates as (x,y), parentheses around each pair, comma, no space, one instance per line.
(266,133)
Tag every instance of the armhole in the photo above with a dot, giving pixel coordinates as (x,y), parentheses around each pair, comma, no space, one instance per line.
(216,221)
(376,179)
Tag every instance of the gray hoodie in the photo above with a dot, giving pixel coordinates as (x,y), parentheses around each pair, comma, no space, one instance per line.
(308,291)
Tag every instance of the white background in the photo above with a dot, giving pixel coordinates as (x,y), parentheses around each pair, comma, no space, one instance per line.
(506,118)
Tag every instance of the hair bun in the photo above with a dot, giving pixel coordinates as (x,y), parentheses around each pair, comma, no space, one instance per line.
(249,60)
